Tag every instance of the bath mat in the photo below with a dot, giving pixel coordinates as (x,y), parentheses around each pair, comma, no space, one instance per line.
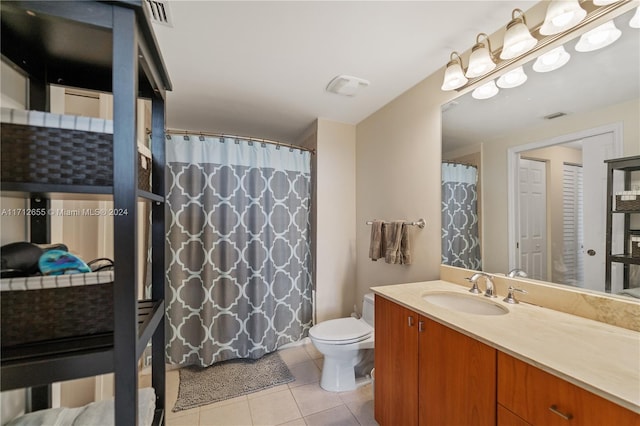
(229,379)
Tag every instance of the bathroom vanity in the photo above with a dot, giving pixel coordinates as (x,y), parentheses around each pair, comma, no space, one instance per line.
(514,365)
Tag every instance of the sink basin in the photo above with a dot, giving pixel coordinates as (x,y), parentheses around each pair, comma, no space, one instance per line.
(467,303)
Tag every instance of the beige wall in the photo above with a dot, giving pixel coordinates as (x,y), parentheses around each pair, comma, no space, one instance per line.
(398,177)
(335,244)
(495,168)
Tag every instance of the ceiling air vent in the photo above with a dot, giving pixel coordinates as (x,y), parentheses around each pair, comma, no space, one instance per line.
(159,12)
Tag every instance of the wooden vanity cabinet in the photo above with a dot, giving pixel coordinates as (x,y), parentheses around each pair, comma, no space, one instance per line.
(540,398)
(457,378)
(396,364)
(428,374)
(507,418)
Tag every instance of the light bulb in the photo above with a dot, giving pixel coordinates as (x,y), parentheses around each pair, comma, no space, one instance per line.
(486,91)
(635,21)
(598,37)
(513,78)
(552,60)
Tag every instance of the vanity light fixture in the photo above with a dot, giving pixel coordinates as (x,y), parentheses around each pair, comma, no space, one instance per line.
(603,2)
(486,91)
(598,37)
(635,21)
(562,15)
(454,74)
(552,60)
(518,38)
(481,60)
(513,78)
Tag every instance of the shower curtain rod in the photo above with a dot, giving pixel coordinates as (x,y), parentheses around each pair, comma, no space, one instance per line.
(247,138)
(459,163)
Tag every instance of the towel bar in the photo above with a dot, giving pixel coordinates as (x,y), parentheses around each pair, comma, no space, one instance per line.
(420,223)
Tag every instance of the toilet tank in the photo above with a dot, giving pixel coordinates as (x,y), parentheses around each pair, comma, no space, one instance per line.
(367,309)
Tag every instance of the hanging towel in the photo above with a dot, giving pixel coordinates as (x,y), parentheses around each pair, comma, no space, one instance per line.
(393,241)
(405,248)
(376,246)
(397,241)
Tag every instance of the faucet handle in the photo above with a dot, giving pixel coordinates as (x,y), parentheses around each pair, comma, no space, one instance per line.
(474,281)
(510,297)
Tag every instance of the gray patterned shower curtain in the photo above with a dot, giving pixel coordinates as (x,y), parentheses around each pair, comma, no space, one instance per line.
(239,257)
(460,241)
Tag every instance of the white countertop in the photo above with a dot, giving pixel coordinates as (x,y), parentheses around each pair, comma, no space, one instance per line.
(595,356)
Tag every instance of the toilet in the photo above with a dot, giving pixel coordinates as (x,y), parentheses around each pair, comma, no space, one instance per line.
(345,343)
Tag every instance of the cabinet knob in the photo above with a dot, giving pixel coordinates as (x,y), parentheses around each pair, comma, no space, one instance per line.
(420,326)
(554,410)
(410,321)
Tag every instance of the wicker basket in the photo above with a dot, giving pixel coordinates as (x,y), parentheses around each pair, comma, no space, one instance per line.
(635,248)
(45,314)
(33,154)
(627,205)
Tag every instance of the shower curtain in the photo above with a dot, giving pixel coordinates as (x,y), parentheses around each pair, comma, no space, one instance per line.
(238,249)
(460,241)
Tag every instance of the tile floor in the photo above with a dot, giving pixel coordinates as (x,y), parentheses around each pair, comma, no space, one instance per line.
(301,402)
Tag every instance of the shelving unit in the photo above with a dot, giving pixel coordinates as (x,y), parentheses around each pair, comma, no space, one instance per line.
(109,47)
(626,166)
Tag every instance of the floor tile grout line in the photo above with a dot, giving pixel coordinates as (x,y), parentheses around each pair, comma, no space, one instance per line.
(297,405)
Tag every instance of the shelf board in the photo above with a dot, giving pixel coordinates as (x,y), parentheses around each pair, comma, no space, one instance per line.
(620,258)
(67,192)
(150,314)
(56,191)
(75,62)
(150,196)
(625,211)
(72,358)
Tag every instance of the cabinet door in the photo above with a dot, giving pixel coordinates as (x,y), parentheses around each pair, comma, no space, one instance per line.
(543,399)
(457,378)
(507,418)
(396,363)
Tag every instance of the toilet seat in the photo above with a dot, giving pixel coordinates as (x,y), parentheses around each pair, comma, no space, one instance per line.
(341,331)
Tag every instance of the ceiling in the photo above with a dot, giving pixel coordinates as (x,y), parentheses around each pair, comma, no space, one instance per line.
(260,69)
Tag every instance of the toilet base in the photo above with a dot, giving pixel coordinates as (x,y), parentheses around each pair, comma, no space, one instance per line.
(338,371)
(338,374)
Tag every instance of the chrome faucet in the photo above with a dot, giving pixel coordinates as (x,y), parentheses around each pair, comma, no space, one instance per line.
(489,291)
(519,273)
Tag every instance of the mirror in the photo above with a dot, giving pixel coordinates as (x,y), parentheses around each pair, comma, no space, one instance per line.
(595,93)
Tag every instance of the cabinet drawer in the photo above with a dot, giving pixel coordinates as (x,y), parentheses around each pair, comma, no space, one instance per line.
(543,399)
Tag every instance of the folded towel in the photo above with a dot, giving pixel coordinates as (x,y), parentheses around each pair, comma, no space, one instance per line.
(376,246)
(393,241)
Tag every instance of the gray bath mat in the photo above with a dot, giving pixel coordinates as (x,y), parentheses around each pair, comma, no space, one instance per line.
(228,379)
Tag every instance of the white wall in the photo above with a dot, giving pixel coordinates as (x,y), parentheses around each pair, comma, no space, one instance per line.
(13,88)
(335,231)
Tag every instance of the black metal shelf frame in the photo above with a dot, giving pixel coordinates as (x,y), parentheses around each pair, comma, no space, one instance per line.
(625,165)
(108,46)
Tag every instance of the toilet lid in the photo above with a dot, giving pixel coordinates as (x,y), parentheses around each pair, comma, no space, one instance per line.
(341,329)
